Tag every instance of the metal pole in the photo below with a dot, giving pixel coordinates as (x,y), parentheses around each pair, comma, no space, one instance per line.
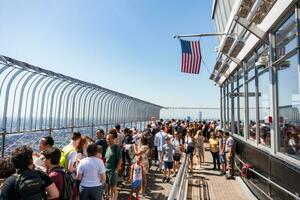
(200,35)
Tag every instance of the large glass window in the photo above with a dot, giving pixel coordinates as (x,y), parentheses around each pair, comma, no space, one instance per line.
(241,106)
(264,108)
(288,89)
(252,110)
(286,37)
(289,106)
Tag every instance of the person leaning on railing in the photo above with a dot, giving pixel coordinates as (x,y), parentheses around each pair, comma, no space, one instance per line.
(229,150)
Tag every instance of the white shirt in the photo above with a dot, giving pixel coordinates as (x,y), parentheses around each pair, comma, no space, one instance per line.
(137,172)
(120,138)
(91,168)
(137,138)
(159,140)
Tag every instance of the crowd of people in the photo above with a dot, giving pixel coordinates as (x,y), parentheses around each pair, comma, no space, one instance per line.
(90,169)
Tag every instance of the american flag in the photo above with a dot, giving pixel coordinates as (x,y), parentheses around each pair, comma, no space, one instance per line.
(191,56)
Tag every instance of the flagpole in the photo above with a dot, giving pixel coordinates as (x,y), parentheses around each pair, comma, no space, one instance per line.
(200,35)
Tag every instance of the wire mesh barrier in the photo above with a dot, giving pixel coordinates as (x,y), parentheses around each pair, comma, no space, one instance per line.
(35,100)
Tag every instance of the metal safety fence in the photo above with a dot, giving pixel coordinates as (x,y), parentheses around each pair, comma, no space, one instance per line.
(36,100)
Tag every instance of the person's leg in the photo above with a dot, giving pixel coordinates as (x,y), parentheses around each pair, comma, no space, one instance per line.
(114,193)
(191,170)
(137,192)
(83,193)
(165,172)
(218,160)
(113,185)
(231,170)
(202,154)
(214,159)
(144,185)
(199,157)
(95,192)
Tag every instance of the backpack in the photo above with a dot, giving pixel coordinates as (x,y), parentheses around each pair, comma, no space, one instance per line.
(64,154)
(29,185)
(67,190)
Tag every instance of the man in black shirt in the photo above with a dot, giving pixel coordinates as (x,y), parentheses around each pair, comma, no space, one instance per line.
(101,141)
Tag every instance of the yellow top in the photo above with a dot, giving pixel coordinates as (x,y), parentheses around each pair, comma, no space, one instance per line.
(214,145)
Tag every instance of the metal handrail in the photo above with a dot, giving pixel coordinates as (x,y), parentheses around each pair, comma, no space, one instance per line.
(270,181)
(179,183)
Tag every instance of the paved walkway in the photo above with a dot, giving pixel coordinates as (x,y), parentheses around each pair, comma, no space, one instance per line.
(208,184)
(205,184)
(156,188)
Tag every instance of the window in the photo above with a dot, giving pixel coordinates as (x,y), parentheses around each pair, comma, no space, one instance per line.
(264,108)
(241,105)
(288,89)
(289,106)
(286,37)
(252,110)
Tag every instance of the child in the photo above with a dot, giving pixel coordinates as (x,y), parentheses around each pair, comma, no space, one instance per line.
(137,176)
(168,153)
(99,153)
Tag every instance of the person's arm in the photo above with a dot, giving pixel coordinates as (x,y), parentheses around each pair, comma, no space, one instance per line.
(119,164)
(119,157)
(52,192)
(102,178)
(79,176)
(131,174)
(72,159)
(230,152)
(163,154)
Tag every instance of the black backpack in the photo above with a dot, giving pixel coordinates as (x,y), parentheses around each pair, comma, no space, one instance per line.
(29,185)
(68,183)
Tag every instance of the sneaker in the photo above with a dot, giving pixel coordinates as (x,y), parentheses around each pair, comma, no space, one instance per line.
(164,179)
(174,175)
(168,179)
(229,177)
(129,198)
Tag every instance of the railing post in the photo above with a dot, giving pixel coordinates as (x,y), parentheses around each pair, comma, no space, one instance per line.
(50,131)
(130,124)
(92,133)
(106,129)
(3,142)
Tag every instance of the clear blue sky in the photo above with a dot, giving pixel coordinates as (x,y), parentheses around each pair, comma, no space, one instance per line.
(123,45)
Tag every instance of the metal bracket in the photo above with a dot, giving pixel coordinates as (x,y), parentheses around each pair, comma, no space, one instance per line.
(235,60)
(252,28)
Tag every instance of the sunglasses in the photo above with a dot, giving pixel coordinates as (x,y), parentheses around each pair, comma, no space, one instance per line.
(43,158)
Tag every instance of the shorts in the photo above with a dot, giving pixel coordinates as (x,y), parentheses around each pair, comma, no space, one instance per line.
(112,178)
(91,192)
(189,149)
(223,158)
(136,184)
(176,156)
(168,165)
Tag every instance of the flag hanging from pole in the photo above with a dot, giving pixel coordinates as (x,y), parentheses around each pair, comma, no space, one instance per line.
(191,56)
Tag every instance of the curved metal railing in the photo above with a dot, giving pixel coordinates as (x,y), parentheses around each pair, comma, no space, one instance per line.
(33,99)
(179,189)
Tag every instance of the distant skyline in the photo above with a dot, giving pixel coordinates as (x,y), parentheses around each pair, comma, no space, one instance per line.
(126,46)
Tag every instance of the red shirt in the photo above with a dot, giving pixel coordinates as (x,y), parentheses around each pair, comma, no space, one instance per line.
(58,179)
